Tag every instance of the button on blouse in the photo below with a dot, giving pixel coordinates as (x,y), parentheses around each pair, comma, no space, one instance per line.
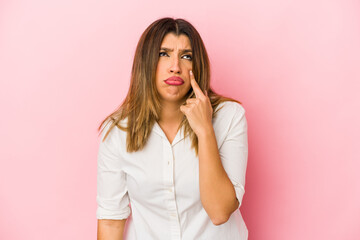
(157,188)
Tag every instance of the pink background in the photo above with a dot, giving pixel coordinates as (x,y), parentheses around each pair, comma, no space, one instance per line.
(65,65)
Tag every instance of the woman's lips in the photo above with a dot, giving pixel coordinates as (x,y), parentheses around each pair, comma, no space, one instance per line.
(174,81)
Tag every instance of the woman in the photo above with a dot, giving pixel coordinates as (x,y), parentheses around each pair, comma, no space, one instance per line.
(173,156)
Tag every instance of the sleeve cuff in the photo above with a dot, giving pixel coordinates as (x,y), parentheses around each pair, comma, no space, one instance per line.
(102,213)
(239,191)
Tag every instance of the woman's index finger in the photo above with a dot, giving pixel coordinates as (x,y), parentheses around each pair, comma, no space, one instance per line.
(197,90)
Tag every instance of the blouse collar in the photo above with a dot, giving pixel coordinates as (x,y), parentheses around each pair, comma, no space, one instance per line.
(179,135)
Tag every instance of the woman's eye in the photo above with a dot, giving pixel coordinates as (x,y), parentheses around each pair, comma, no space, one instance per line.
(189,57)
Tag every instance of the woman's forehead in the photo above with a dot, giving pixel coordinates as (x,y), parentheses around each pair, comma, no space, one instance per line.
(171,42)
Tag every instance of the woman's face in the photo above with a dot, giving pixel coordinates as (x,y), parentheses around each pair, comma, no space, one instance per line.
(175,60)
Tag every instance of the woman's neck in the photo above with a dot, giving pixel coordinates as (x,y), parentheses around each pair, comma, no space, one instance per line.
(170,113)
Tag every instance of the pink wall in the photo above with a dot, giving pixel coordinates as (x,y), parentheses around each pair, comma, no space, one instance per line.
(64,65)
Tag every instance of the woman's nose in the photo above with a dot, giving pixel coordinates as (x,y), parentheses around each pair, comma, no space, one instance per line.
(175,66)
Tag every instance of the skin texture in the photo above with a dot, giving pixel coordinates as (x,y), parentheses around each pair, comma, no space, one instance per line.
(174,63)
(110,229)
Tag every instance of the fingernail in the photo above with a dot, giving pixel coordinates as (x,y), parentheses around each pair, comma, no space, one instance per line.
(191,72)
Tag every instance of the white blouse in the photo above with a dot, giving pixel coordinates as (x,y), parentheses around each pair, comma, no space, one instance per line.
(157,188)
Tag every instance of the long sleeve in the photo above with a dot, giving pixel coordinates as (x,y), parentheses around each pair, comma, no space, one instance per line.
(112,196)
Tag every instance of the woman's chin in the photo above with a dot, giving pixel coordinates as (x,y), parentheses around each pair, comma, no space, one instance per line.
(172,94)
(172,98)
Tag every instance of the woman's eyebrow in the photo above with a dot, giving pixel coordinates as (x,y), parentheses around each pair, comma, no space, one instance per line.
(170,50)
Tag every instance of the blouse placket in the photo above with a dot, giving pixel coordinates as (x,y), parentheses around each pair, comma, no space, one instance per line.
(169,183)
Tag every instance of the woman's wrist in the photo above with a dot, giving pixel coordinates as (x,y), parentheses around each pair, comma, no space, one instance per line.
(206,132)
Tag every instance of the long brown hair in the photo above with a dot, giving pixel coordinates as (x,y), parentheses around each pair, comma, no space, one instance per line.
(142,105)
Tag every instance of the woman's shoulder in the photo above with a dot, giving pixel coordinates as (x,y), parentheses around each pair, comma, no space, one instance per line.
(229,109)
(228,114)
(114,129)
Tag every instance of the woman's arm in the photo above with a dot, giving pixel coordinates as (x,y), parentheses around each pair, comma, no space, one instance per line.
(216,190)
(110,229)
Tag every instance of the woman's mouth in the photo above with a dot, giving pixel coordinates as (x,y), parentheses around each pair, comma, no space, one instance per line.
(174,81)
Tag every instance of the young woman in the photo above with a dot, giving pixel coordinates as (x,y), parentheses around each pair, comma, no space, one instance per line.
(173,156)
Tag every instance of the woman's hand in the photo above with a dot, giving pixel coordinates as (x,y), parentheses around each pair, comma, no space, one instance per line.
(198,110)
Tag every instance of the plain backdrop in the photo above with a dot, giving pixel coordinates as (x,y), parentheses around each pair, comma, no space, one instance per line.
(294,65)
